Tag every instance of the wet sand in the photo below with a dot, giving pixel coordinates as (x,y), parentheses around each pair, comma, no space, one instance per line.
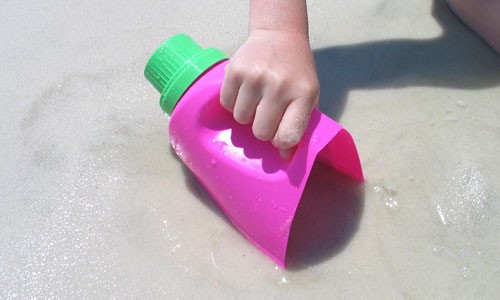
(95,205)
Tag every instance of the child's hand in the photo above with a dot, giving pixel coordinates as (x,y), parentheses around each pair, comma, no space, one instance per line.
(272,82)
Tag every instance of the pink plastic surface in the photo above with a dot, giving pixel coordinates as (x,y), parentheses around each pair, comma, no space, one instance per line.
(256,189)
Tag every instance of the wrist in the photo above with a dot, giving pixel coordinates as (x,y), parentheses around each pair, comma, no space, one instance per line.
(280,16)
(273,34)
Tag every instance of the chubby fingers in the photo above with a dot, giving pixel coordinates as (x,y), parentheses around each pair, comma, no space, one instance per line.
(278,106)
(241,96)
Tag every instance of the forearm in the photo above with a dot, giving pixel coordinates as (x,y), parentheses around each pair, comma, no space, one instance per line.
(279,15)
(483,16)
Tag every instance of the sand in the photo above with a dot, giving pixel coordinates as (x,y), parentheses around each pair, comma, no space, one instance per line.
(95,205)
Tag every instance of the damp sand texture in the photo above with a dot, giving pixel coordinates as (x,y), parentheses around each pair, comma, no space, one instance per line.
(95,205)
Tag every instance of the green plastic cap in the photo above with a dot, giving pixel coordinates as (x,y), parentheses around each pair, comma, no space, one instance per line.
(176,65)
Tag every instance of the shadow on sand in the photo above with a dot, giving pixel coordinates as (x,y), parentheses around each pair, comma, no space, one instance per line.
(456,59)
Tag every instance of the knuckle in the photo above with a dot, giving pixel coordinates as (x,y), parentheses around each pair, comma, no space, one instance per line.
(251,75)
(255,76)
(235,70)
(309,88)
(280,76)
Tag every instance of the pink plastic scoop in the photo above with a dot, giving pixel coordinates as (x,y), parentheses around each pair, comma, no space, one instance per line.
(247,178)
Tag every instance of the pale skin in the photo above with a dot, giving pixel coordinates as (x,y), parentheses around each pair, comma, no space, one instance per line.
(271,81)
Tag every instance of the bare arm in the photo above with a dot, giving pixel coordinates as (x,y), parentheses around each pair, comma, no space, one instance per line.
(271,81)
(284,15)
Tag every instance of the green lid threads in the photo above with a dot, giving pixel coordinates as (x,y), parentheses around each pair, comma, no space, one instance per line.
(175,65)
